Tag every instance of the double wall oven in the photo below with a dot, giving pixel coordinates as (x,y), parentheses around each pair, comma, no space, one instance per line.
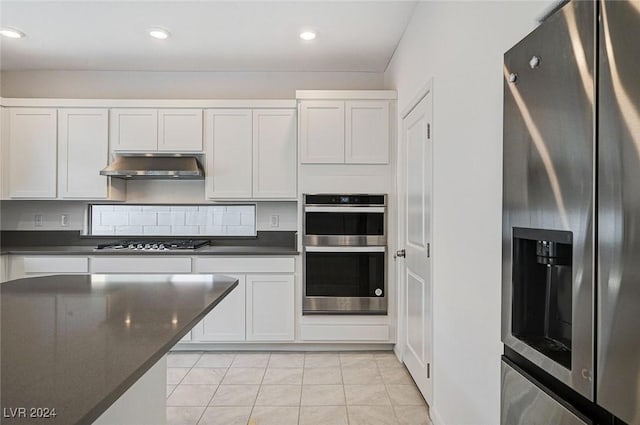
(345,250)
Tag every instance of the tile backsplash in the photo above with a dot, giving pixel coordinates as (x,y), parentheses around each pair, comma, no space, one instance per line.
(166,220)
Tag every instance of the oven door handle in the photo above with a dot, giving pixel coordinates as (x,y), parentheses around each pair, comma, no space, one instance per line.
(345,209)
(345,249)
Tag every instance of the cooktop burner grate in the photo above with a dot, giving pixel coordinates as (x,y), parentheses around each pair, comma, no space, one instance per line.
(154,245)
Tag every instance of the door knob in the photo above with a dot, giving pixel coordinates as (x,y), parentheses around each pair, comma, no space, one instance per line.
(400,253)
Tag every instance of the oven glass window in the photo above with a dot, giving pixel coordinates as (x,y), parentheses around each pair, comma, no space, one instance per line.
(340,223)
(344,274)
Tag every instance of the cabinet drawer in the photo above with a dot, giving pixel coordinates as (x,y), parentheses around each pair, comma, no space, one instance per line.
(51,264)
(344,332)
(137,264)
(245,265)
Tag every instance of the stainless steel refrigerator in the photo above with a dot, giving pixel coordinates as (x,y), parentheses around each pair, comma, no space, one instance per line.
(571,219)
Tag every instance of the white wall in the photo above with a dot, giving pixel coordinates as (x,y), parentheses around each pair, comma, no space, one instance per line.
(179,85)
(460,45)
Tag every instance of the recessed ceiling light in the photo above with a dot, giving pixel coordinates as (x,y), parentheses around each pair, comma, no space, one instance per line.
(11,33)
(307,35)
(159,33)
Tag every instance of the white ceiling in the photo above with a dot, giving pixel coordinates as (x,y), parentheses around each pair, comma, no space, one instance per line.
(206,35)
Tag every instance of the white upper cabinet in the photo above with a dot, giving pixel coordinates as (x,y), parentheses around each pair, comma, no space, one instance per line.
(134,129)
(83,150)
(366,132)
(32,153)
(228,135)
(345,127)
(274,153)
(180,130)
(156,130)
(251,153)
(322,132)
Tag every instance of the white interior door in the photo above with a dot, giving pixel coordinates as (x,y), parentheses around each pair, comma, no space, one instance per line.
(415,177)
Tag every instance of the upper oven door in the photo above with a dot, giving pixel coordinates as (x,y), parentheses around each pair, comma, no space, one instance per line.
(343,226)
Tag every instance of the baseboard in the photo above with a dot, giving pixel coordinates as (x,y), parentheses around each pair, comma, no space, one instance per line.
(246,346)
(435,417)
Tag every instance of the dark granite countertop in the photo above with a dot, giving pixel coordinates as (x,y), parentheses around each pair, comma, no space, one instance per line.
(77,343)
(90,250)
(73,243)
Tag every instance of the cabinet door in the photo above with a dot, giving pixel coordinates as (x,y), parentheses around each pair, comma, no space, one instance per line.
(274,153)
(83,150)
(134,129)
(228,137)
(180,130)
(322,132)
(270,307)
(367,132)
(226,322)
(32,153)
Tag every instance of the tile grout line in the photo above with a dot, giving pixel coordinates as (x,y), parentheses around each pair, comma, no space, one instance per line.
(259,388)
(304,361)
(344,390)
(217,388)
(386,389)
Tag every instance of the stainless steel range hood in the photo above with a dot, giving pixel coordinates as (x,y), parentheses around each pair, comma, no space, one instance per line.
(155,166)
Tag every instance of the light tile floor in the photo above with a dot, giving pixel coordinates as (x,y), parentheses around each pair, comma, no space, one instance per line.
(346,388)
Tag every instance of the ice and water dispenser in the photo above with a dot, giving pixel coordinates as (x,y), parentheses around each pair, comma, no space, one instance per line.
(542,291)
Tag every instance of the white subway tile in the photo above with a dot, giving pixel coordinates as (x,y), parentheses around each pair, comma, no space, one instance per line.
(174,218)
(195,218)
(128,230)
(127,208)
(103,230)
(231,219)
(155,208)
(211,230)
(95,217)
(184,230)
(247,219)
(217,219)
(114,218)
(102,208)
(241,209)
(239,231)
(143,218)
(156,230)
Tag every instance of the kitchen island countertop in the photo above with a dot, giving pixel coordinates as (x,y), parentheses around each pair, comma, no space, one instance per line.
(77,343)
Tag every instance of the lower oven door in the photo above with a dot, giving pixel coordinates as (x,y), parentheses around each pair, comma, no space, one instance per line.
(345,280)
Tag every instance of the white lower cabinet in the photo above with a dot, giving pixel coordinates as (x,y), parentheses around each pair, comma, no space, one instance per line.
(260,308)
(31,266)
(137,264)
(270,308)
(226,322)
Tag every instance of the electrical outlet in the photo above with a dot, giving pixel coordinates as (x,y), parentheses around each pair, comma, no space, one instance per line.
(275,221)
(64,220)
(37,220)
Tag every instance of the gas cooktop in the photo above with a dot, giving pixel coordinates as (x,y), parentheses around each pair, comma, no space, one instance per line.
(155,245)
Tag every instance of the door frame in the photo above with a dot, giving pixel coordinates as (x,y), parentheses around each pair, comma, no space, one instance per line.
(400,347)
